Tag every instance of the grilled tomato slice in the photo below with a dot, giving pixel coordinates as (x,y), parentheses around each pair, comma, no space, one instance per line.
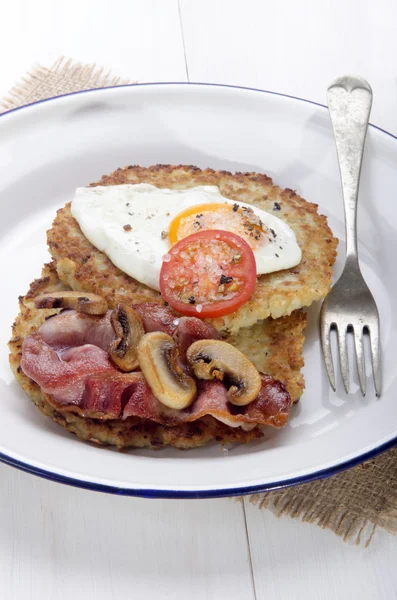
(208,274)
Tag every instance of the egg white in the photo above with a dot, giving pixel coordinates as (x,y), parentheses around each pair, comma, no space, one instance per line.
(106,213)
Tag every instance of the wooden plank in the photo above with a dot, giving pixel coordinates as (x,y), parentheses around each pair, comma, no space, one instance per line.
(295,48)
(298,49)
(60,542)
(299,560)
(137,40)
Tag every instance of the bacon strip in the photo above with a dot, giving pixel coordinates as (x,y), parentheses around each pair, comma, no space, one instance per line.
(156,317)
(192,329)
(62,374)
(70,329)
(84,380)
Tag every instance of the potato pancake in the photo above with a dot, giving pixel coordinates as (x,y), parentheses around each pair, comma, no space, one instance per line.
(275,346)
(82,267)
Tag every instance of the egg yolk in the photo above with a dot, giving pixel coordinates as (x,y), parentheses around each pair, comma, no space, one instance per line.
(228,217)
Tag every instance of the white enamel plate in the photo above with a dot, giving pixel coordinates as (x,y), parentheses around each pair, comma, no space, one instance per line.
(50,148)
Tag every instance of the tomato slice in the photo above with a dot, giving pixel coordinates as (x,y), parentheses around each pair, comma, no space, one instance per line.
(208,274)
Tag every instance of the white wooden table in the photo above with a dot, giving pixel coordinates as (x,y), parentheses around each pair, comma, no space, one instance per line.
(58,542)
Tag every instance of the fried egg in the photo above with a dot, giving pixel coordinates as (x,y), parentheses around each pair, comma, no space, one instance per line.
(136,224)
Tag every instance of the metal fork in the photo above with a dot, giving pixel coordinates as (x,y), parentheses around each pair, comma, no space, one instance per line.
(350,306)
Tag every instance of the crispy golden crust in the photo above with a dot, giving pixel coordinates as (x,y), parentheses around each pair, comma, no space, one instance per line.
(83,267)
(275,347)
(283,362)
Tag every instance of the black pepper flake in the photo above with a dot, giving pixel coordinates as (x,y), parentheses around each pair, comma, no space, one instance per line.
(225,279)
(131,214)
(277,255)
(280,247)
(127,227)
(274,234)
(195,282)
(164,235)
(276,206)
(235,207)
(192,300)
(199,216)
(127,203)
(166,304)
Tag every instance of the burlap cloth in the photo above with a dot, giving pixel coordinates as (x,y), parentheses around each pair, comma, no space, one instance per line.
(352,504)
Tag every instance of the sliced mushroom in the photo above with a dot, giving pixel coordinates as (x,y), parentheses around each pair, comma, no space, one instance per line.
(89,304)
(128,327)
(212,359)
(157,355)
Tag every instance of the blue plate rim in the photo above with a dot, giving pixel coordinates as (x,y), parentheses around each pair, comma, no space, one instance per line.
(196,494)
(187,494)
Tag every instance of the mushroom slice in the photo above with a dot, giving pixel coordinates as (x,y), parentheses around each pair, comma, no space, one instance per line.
(89,304)
(157,355)
(128,327)
(212,359)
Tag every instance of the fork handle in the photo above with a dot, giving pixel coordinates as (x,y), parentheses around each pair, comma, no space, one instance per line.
(349,103)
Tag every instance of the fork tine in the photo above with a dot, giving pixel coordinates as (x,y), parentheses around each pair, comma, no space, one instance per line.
(358,343)
(344,366)
(374,337)
(326,347)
